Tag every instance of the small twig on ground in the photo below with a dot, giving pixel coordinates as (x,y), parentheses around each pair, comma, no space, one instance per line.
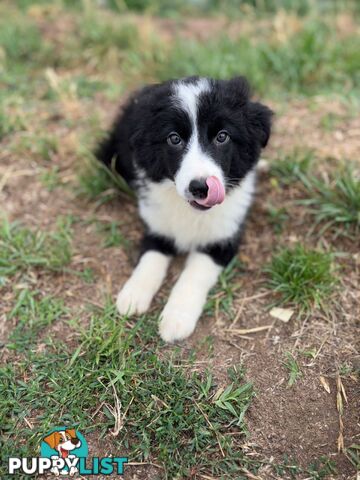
(245,331)
(28,423)
(138,464)
(340,396)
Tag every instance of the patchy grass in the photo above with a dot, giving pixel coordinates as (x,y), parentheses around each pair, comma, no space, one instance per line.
(336,200)
(292,167)
(112,234)
(50,178)
(321,468)
(183,419)
(20,41)
(33,314)
(277,217)
(40,146)
(330,120)
(310,60)
(222,295)
(99,38)
(9,123)
(63,66)
(100,183)
(301,276)
(22,248)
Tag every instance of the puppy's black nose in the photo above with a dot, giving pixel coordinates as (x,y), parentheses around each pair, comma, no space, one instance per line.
(198,188)
(75,441)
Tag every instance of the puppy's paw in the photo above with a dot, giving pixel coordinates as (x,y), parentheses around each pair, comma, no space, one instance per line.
(133,300)
(176,324)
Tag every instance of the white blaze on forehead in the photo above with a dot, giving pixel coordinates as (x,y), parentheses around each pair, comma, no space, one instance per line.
(196,163)
(187,95)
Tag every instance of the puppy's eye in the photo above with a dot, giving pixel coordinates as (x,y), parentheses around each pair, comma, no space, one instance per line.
(174,139)
(222,137)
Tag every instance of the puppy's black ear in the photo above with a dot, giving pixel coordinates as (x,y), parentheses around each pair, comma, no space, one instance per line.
(259,118)
(239,89)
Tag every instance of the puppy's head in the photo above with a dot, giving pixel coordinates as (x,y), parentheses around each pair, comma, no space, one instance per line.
(205,135)
(63,441)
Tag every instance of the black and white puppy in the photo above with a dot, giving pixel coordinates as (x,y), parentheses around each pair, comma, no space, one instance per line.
(189,148)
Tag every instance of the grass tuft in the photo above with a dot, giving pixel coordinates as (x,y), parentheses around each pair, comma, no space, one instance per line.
(294,370)
(95,181)
(301,276)
(292,167)
(113,237)
(335,201)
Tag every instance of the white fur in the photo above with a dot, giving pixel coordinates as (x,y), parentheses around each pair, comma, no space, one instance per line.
(188,297)
(195,164)
(165,209)
(188,93)
(67,443)
(168,214)
(136,295)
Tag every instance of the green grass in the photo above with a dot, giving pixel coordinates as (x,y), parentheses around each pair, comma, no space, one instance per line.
(99,38)
(310,61)
(294,370)
(277,218)
(96,182)
(301,276)
(33,315)
(222,295)
(330,121)
(319,469)
(112,235)
(40,146)
(335,202)
(231,8)
(22,248)
(20,40)
(172,412)
(292,167)
(169,414)
(50,178)
(353,455)
(9,123)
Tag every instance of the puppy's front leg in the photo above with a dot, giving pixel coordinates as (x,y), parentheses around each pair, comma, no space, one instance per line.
(136,295)
(188,297)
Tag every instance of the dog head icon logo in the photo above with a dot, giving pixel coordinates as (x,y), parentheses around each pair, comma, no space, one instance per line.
(64,446)
(63,441)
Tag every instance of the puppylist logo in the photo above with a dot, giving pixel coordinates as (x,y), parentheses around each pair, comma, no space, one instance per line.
(64,451)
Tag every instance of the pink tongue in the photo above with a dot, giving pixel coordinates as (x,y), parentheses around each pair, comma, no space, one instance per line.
(216,193)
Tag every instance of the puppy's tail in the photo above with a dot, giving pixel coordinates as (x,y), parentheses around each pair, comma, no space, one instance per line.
(115,155)
(107,150)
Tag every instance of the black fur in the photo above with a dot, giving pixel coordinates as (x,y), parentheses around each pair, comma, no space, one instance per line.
(138,141)
(159,243)
(141,129)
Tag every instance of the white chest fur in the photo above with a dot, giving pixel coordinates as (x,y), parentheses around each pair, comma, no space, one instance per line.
(167,214)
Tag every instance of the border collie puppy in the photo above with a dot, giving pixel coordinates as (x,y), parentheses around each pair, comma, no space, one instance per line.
(189,149)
